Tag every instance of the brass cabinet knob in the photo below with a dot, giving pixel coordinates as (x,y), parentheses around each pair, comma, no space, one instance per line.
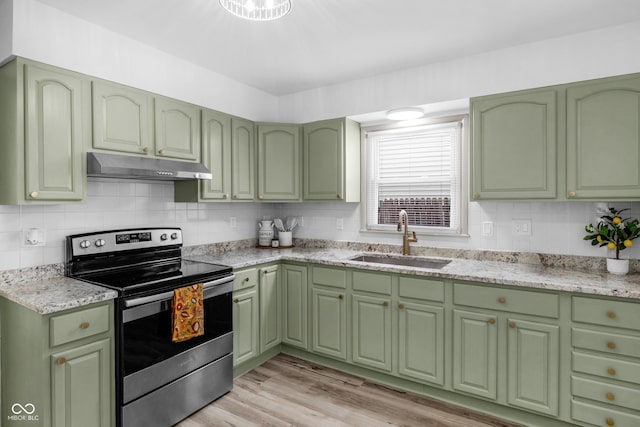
(84,325)
(611,314)
(611,371)
(512,325)
(611,396)
(161,151)
(476,195)
(145,149)
(246,279)
(385,304)
(61,360)
(572,194)
(224,196)
(492,321)
(338,197)
(611,345)
(340,296)
(610,422)
(260,196)
(502,300)
(236,300)
(400,306)
(34,194)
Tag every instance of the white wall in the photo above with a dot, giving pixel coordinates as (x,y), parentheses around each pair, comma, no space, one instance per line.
(583,56)
(48,35)
(6,29)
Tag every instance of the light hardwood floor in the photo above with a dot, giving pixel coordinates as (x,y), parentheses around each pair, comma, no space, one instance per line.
(286,391)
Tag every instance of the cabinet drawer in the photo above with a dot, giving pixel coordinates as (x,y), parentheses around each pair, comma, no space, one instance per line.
(245,279)
(607,393)
(606,367)
(513,300)
(606,341)
(77,325)
(372,282)
(606,312)
(410,287)
(601,416)
(329,277)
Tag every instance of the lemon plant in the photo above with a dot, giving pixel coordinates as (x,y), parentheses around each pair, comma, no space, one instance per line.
(613,231)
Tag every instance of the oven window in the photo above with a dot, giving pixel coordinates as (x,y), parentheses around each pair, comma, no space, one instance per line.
(147,341)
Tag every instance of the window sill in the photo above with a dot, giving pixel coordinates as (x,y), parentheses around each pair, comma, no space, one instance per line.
(418,233)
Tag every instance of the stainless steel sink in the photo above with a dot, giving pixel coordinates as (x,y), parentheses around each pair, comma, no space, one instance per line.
(408,262)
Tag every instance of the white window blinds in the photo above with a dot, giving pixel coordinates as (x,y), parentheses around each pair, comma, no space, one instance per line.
(416,169)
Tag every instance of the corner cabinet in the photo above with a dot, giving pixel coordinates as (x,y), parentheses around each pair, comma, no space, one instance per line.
(61,364)
(331,150)
(294,305)
(44,124)
(270,307)
(278,162)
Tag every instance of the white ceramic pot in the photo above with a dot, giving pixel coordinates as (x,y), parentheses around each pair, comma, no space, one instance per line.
(286,238)
(617,266)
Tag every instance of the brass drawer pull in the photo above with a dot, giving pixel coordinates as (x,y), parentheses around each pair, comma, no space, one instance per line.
(611,345)
(512,325)
(610,422)
(340,296)
(492,321)
(611,396)
(611,371)
(61,360)
(502,300)
(85,325)
(385,304)
(611,315)
(400,306)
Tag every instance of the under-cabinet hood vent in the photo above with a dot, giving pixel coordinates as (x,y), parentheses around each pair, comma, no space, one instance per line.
(133,167)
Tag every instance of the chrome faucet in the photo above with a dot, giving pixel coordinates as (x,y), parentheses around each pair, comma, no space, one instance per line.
(403,219)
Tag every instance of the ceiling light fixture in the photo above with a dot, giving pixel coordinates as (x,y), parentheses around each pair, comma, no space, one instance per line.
(406,113)
(257,10)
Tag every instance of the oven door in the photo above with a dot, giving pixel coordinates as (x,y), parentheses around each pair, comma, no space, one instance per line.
(149,359)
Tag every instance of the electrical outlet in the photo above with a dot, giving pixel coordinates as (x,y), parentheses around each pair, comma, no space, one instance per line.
(487,229)
(522,227)
(339,224)
(232,222)
(301,221)
(33,237)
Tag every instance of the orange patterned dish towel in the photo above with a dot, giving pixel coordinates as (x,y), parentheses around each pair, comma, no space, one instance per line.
(188,313)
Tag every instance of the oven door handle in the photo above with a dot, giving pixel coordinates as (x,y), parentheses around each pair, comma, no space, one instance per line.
(207,290)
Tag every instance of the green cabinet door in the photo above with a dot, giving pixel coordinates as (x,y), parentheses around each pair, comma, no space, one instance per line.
(421,342)
(243,159)
(80,386)
(278,162)
(329,323)
(177,127)
(55,127)
(295,314)
(331,160)
(603,139)
(216,155)
(514,145)
(371,331)
(533,365)
(122,118)
(246,312)
(475,353)
(270,303)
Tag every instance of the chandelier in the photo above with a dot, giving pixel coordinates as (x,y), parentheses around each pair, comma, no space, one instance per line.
(258,10)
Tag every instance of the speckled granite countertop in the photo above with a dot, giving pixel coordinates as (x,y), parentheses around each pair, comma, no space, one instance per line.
(525,275)
(45,290)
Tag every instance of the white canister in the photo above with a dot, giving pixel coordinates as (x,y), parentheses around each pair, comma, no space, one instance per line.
(265,237)
(286,238)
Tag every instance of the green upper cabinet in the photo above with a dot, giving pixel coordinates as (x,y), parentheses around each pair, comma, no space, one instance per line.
(278,162)
(331,163)
(514,145)
(243,158)
(603,139)
(43,124)
(122,118)
(177,126)
(216,155)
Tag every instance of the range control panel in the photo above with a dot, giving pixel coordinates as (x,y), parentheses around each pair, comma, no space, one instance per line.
(121,240)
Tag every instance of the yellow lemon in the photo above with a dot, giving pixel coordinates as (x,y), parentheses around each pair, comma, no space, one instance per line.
(617,220)
(599,239)
(611,245)
(628,243)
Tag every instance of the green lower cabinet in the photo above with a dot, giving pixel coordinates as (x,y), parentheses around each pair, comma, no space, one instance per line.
(246,316)
(371,331)
(270,302)
(328,323)
(421,342)
(294,292)
(475,353)
(81,386)
(533,366)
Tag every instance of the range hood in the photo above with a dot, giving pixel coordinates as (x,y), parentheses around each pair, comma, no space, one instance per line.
(133,167)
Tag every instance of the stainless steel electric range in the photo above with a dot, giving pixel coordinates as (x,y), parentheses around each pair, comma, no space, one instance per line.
(158,382)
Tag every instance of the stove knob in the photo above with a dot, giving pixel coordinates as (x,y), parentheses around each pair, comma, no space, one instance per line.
(85,244)
(174,236)
(100,243)
(163,236)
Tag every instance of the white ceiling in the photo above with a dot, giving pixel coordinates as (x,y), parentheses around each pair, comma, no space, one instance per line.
(324,42)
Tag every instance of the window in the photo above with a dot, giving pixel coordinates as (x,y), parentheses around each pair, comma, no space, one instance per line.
(419,169)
